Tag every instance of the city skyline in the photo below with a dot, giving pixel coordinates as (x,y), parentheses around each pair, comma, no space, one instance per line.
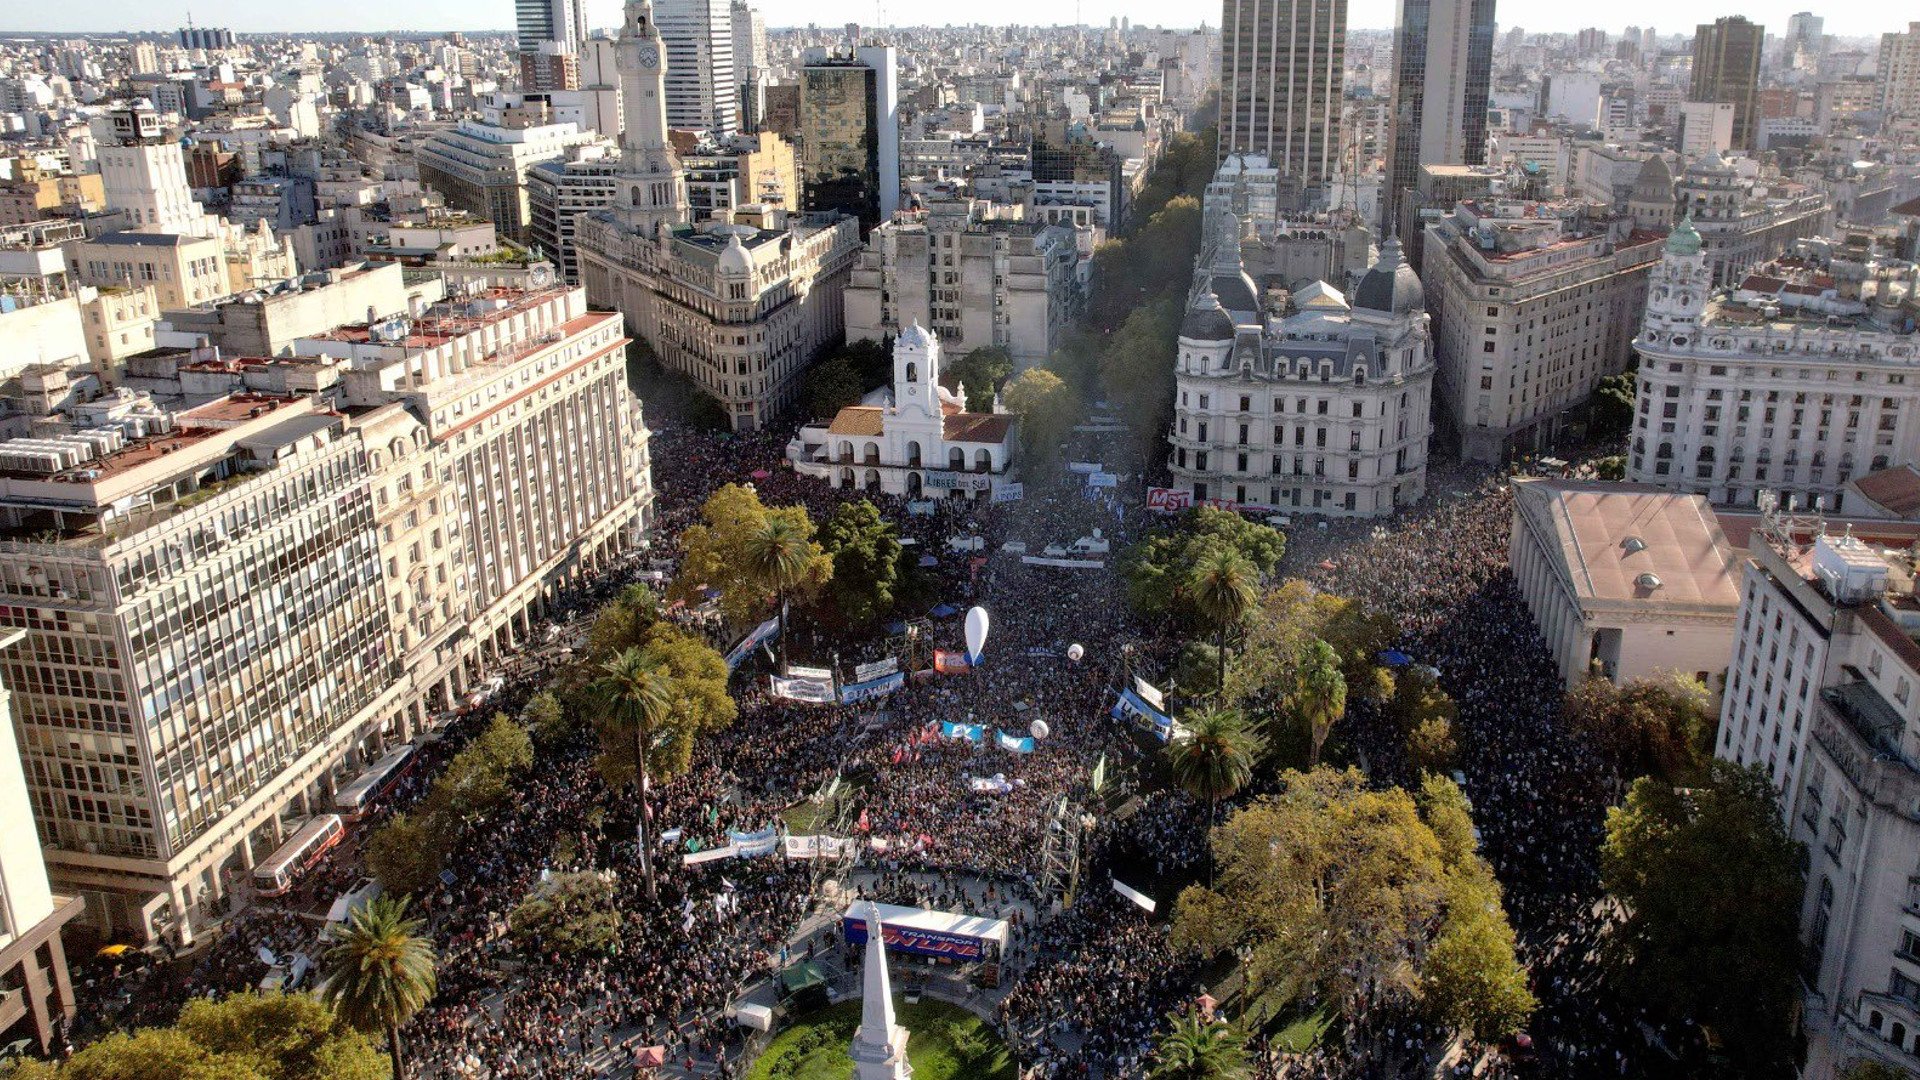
(124,16)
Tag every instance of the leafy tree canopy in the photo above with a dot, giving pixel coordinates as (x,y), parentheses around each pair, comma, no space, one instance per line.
(1711,886)
(865,549)
(572,914)
(717,554)
(1159,569)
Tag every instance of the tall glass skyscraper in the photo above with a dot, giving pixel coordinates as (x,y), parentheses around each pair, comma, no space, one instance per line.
(850,133)
(1442,71)
(1726,67)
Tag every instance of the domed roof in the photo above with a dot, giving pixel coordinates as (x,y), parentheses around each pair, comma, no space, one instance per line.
(734,258)
(1684,239)
(915,336)
(1390,285)
(1206,320)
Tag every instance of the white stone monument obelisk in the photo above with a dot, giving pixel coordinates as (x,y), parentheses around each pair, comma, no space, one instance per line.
(879,1046)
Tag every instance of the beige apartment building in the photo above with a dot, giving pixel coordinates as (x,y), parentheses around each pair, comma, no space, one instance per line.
(1533,304)
(741,308)
(975,281)
(229,609)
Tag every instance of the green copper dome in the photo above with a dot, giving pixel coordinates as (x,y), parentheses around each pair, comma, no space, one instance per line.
(1684,239)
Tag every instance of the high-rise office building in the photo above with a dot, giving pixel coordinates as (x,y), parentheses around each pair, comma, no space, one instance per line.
(850,133)
(1897,75)
(144,172)
(1726,67)
(1281,66)
(206,37)
(33,963)
(552,34)
(1804,40)
(750,63)
(702,93)
(1442,71)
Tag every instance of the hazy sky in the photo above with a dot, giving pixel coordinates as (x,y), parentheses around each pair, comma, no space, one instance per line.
(375,15)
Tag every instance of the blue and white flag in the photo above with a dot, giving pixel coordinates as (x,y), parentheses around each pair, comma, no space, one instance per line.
(970,732)
(1020,745)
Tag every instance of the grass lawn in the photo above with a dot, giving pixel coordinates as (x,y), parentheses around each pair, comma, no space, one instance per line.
(944,1042)
(1303,1034)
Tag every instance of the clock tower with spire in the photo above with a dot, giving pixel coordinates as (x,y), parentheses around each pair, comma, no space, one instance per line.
(651,190)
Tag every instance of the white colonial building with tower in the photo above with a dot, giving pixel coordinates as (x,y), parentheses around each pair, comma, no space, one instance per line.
(915,438)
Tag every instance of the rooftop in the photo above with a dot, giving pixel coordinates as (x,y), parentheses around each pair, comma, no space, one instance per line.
(1636,542)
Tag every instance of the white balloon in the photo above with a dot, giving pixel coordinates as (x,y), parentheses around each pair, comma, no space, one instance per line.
(1039,729)
(1075,651)
(976,634)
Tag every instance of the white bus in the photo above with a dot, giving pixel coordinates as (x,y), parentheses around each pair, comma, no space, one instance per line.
(277,876)
(373,785)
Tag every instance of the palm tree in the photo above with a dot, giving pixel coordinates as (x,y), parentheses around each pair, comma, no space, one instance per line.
(1223,589)
(1199,1049)
(380,971)
(1214,758)
(777,555)
(638,693)
(1320,694)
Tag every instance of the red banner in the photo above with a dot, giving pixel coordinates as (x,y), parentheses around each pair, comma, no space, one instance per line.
(1168,500)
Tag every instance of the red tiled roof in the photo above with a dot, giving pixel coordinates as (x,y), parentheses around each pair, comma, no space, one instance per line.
(857,420)
(977,427)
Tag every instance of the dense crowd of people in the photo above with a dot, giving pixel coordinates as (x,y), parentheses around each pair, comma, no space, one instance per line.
(1086,989)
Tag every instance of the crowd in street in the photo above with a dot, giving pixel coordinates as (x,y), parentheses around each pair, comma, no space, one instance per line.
(1087,988)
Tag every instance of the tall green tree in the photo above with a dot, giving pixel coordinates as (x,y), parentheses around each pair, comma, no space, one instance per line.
(571,914)
(781,555)
(624,623)
(1194,1048)
(1214,760)
(284,1036)
(636,690)
(246,1036)
(865,549)
(981,372)
(1046,410)
(1223,587)
(1327,890)
(1711,885)
(832,385)
(142,1055)
(480,777)
(1320,695)
(381,969)
(719,554)
(408,852)
(1159,569)
(1661,726)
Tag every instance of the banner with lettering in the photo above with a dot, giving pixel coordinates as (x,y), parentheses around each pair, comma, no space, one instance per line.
(950,663)
(873,688)
(814,691)
(970,732)
(759,635)
(1021,744)
(1157,723)
(1168,500)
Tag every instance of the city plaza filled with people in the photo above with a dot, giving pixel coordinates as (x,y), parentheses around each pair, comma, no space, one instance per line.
(1086,987)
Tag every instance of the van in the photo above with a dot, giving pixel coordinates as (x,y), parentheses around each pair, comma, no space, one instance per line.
(1092,545)
(286,975)
(365,892)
